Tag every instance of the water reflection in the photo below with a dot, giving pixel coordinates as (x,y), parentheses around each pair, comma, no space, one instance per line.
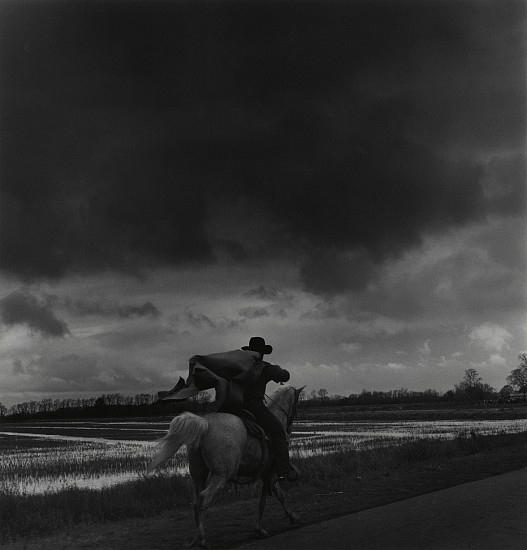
(33,462)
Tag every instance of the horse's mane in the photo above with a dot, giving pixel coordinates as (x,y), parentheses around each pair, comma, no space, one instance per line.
(282,397)
(282,391)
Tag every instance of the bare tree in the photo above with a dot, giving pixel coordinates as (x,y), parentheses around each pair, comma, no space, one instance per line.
(506,391)
(472,387)
(472,379)
(518,377)
(322,394)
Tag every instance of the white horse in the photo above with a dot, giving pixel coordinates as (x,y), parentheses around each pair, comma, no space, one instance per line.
(219,449)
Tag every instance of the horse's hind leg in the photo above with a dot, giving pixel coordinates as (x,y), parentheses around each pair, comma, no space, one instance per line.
(215,483)
(199,535)
(199,472)
(202,500)
(261,533)
(280,495)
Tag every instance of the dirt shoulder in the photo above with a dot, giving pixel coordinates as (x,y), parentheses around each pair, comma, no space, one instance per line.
(231,524)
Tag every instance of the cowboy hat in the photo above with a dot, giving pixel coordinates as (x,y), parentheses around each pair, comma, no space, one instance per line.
(256,343)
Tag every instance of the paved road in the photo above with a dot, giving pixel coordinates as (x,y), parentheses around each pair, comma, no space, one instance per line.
(490,514)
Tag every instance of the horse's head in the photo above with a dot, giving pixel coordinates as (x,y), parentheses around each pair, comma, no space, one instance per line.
(287,393)
(285,399)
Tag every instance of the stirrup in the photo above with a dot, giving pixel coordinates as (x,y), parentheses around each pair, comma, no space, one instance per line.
(291,476)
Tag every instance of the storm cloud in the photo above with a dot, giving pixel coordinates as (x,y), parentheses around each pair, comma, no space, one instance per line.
(112,308)
(352,129)
(23,308)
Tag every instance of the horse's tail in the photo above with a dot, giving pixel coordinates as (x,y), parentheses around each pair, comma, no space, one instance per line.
(185,429)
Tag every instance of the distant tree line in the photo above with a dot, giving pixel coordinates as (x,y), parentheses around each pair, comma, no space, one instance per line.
(471,389)
(321,397)
(106,405)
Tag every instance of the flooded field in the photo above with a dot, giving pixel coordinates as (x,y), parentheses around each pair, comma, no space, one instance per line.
(315,438)
(40,458)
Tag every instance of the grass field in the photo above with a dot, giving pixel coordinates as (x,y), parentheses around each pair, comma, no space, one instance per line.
(57,475)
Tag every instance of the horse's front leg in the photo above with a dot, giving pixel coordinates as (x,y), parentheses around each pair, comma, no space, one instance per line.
(261,533)
(280,495)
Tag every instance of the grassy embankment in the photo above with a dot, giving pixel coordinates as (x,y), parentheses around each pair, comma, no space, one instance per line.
(34,515)
(417,412)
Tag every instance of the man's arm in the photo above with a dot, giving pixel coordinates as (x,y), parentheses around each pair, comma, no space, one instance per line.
(276,373)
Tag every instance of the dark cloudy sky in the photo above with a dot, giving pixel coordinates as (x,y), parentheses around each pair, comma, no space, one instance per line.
(346,179)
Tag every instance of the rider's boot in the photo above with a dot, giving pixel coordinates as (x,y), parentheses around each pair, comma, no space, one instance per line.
(284,471)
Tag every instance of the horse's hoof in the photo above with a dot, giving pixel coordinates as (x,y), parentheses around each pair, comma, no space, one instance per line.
(294,518)
(192,543)
(261,534)
(196,542)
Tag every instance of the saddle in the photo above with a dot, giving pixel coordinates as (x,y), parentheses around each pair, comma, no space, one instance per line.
(252,427)
(254,430)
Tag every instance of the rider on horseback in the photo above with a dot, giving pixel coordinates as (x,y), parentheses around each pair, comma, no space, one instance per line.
(240,379)
(253,401)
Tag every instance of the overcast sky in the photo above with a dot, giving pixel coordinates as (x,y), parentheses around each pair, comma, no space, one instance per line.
(345,179)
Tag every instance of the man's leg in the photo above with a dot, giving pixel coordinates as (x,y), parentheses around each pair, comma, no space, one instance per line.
(278,440)
(281,455)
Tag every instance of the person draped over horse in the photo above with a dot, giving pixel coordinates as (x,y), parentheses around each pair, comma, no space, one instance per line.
(240,379)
